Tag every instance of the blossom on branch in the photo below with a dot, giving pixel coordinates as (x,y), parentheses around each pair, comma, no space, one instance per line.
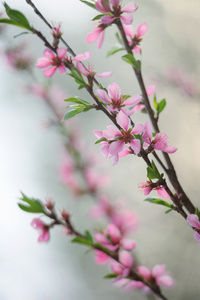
(113,10)
(194,222)
(160,141)
(50,62)
(116,101)
(116,140)
(43,228)
(135,38)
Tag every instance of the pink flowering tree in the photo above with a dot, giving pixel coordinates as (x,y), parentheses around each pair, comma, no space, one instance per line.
(122,137)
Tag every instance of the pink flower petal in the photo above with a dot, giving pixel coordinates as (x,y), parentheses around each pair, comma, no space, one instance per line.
(94,35)
(165,280)
(193,220)
(116,147)
(115,2)
(141,29)
(37,224)
(128,244)
(137,129)
(100,40)
(107,19)
(48,53)
(123,120)
(126,259)
(162,193)
(158,270)
(133,100)
(144,271)
(100,238)
(44,236)
(104,74)
(136,146)
(83,56)
(130,7)
(61,52)
(43,63)
(101,257)
(62,68)
(128,29)
(114,91)
(102,94)
(114,233)
(103,6)
(98,133)
(126,19)
(49,72)
(170,149)
(81,68)
(197,236)
(150,90)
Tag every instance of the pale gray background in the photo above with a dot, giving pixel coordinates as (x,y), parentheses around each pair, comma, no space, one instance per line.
(29,158)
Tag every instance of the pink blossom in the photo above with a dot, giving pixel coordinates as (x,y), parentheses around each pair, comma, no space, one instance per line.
(113,11)
(160,141)
(88,72)
(97,34)
(117,140)
(50,62)
(194,222)
(112,239)
(94,180)
(116,101)
(136,38)
(155,275)
(43,228)
(148,186)
(101,257)
(124,265)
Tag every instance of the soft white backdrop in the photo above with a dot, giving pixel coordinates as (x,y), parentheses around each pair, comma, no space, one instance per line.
(29,157)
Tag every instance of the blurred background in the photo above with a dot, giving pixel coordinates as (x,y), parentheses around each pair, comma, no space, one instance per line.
(31,152)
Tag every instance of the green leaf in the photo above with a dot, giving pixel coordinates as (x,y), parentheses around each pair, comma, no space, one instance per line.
(161,105)
(101,140)
(114,50)
(160,202)
(82,241)
(110,276)
(77,100)
(17,17)
(152,172)
(118,38)
(155,103)
(169,210)
(33,205)
(80,108)
(89,4)
(97,17)
(130,59)
(78,77)
(88,236)
(22,33)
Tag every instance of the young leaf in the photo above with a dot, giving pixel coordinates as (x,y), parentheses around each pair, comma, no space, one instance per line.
(110,276)
(161,105)
(82,241)
(130,59)
(97,17)
(77,100)
(80,108)
(152,172)
(160,202)
(17,17)
(114,50)
(89,4)
(101,140)
(78,77)
(88,236)
(118,38)
(155,103)
(32,205)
